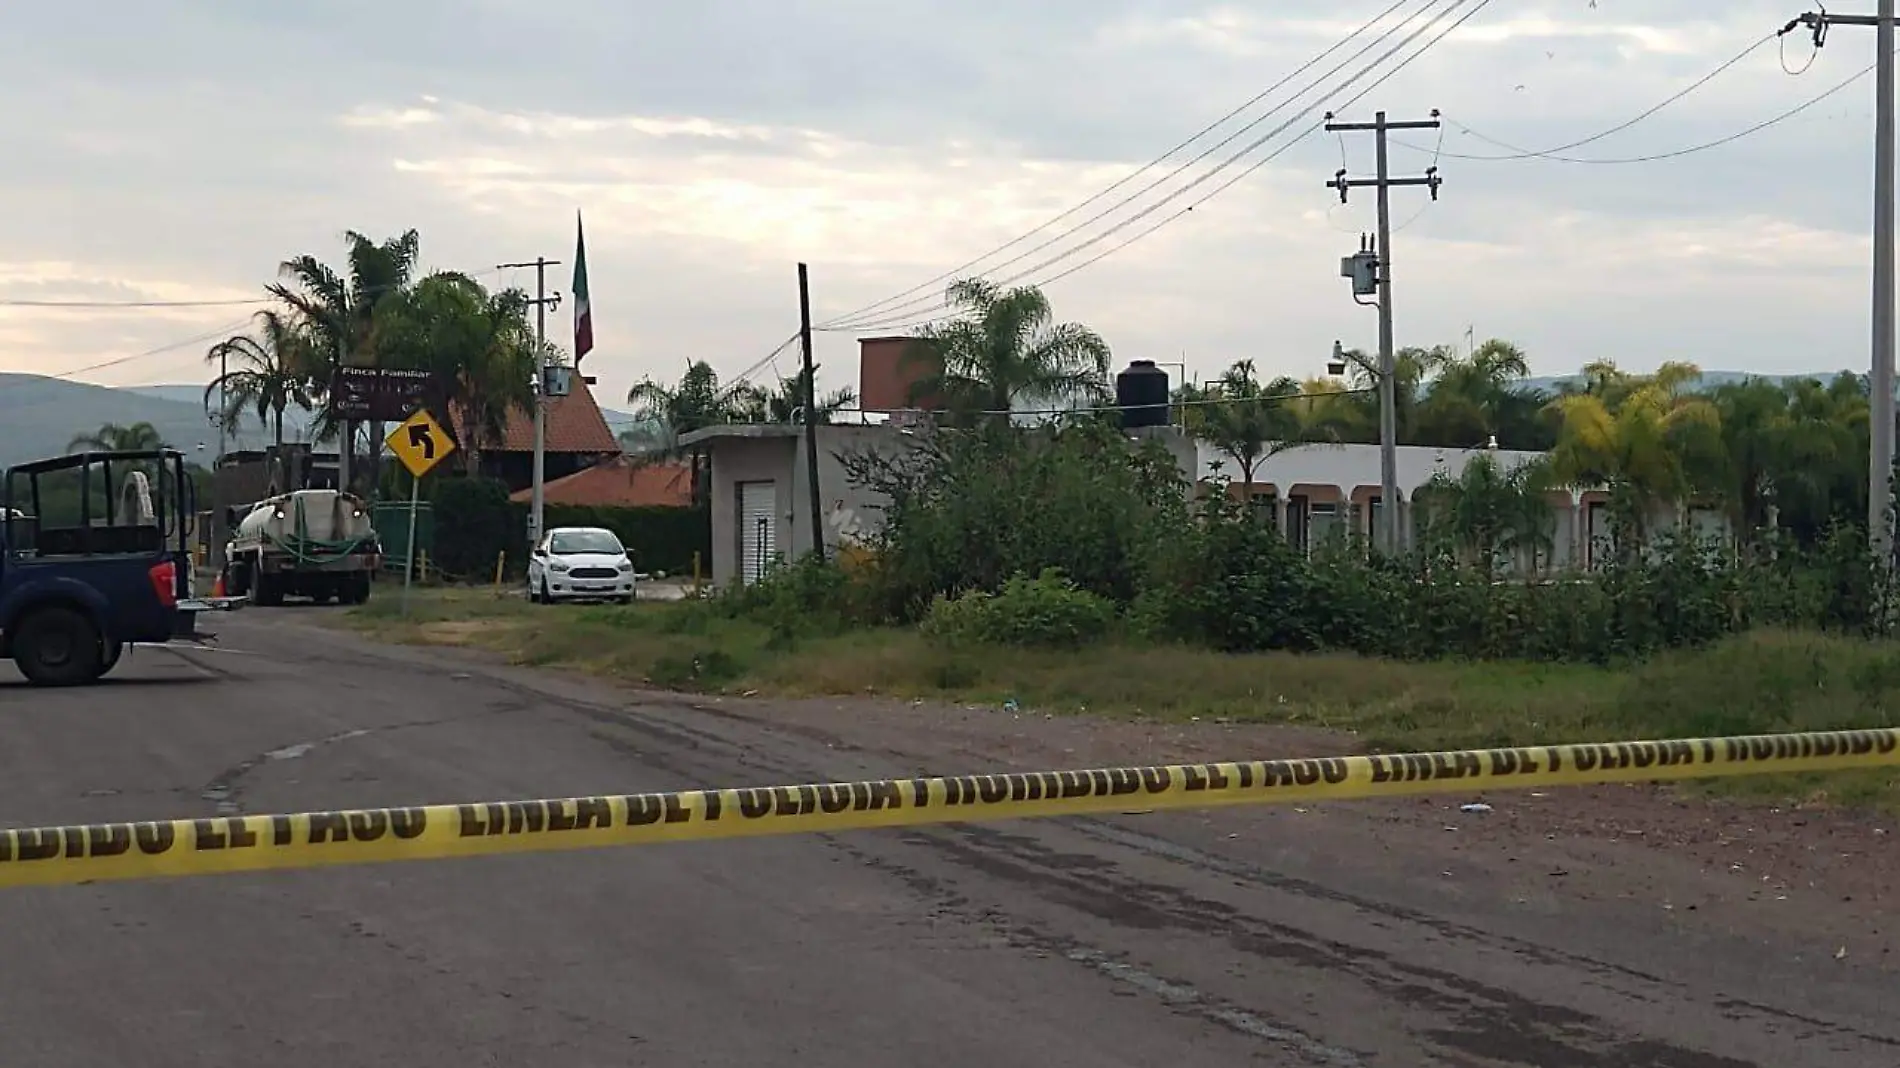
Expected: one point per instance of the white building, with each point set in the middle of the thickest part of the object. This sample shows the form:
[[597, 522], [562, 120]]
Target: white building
[[1318, 491]]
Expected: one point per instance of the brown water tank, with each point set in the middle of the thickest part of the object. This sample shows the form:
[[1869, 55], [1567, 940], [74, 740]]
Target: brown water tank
[[885, 375]]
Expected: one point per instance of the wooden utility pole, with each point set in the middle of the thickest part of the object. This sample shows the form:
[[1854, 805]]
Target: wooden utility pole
[[1388, 386], [810, 401]]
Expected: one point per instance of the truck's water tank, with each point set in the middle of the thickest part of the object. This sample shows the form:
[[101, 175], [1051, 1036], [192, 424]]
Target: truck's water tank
[[1141, 393]]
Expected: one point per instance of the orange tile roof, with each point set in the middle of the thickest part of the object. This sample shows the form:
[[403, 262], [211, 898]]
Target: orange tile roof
[[575, 425], [620, 483]]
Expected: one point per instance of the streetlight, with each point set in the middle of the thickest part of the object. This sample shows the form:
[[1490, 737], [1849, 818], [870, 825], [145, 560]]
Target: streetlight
[[1388, 445], [1337, 365]]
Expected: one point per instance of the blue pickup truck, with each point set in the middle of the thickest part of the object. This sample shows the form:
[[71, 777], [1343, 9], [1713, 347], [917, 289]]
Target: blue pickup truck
[[94, 557]]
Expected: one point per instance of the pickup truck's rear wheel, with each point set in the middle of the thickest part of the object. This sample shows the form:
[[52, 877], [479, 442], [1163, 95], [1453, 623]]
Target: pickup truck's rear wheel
[[57, 646], [109, 652]]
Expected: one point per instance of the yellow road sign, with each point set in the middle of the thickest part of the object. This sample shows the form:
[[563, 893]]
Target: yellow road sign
[[420, 443]]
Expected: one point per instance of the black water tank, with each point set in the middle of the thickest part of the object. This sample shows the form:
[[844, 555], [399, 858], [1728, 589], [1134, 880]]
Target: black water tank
[[1141, 392]]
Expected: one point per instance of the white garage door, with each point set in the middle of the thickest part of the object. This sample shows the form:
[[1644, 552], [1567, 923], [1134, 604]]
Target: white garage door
[[758, 529]]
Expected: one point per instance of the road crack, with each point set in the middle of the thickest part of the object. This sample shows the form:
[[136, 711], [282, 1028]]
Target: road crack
[[224, 788]]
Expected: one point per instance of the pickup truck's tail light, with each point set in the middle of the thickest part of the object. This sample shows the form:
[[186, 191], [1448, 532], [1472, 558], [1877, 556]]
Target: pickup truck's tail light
[[165, 583]]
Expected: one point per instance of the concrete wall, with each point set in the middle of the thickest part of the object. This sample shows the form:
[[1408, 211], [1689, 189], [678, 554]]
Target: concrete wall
[[1352, 466], [736, 460], [850, 512], [757, 454]]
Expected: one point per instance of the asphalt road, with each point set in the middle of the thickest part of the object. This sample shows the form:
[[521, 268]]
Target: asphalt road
[[1132, 941]]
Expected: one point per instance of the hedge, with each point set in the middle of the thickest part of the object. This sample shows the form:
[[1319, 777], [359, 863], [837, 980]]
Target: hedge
[[661, 537], [475, 522]]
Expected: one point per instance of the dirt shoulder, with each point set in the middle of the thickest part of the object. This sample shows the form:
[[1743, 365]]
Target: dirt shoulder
[[1814, 868], [1809, 871]]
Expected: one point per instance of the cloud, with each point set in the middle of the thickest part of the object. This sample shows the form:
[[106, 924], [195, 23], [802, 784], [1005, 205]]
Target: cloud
[[713, 145]]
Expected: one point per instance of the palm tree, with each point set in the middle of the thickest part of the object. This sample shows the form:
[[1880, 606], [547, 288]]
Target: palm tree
[[1354, 415], [478, 347], [1754, 414], [1331, 412], [1469, 400], [1488, 512], [1820, 456], [1005, 349], [340, 310], [270, 375], [1246, 420], [1641, 444], [113, 437], [787, 403], [695, 403]]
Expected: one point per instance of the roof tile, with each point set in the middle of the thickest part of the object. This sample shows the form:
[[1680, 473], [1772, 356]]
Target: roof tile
[[620, 483], [575, 425]]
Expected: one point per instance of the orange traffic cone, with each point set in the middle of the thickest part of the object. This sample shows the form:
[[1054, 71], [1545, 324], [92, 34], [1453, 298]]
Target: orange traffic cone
[[217, 588]]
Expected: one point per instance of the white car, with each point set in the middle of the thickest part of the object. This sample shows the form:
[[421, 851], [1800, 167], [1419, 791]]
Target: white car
[[579, 564]]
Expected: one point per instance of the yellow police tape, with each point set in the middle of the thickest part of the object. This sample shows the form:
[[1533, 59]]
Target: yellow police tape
[[81, 854]]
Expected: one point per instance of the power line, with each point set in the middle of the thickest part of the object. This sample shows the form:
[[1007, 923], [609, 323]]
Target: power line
[[134, 303], [1430, 168], [221, 332], [842, 320], [1244, 174], [929, 303], [233, 303], [900, 318], [743, 378], [218, 334], [1621, 126], [1658, 156]]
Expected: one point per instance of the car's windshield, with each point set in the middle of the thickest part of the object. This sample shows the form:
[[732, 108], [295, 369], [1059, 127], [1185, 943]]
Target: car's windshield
[[585, 541]]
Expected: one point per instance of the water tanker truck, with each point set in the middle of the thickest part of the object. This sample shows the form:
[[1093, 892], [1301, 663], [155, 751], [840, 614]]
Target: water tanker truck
[[315, 543]]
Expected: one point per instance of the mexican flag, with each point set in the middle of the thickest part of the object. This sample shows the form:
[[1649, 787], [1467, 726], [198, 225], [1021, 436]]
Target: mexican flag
[[583, 310]]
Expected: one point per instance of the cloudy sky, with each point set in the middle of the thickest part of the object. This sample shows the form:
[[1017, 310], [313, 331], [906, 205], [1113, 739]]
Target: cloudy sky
[[179, 149]]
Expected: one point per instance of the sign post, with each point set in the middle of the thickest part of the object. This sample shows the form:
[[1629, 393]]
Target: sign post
[[420, 443]]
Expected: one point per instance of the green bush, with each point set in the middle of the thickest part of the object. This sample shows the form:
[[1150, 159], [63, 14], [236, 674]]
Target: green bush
[[804, 597], [1047, 611], [971, 508], [1108, 527]]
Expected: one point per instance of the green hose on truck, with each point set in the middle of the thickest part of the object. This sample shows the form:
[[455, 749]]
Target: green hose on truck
[[314, 543]]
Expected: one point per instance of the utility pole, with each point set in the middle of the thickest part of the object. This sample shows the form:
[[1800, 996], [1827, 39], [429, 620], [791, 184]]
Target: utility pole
[[542, 301], [810, 401], [1880, 380], [1380, 264]]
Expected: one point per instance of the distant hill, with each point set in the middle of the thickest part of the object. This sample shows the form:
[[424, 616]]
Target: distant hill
[[1709, 379], [616, 421], [39, 416]]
